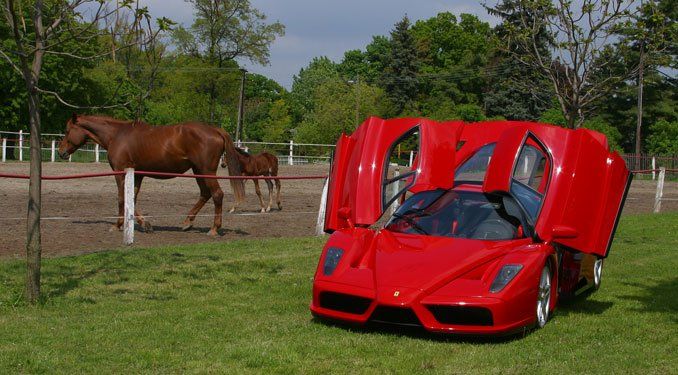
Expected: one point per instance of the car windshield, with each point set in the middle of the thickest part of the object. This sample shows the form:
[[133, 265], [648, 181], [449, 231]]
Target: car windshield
[[461, 214]]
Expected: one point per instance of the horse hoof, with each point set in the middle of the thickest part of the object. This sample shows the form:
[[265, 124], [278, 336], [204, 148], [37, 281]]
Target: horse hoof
[[279, 207], [268, 209], [187, 227], [232, 210], [212, 233], [263, 210]]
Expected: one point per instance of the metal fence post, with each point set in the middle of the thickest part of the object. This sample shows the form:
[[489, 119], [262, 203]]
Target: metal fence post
[[660, 191], [52, 156], [291, 157], [411, 158], [320, 223], [4, 150], [96, 152], [396, 203], [128, 226], [21, 145]]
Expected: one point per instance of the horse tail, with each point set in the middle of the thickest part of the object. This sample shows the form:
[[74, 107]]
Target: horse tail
[[231, 160]]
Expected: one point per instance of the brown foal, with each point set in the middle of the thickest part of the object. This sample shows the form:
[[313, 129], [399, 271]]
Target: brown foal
[[262, 164], [170, 149]]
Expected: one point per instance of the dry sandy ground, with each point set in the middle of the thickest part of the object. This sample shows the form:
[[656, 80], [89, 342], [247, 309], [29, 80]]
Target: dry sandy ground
[[85, 207]]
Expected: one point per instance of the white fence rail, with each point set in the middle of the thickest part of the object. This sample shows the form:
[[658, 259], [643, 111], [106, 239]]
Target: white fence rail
[[291, 153]]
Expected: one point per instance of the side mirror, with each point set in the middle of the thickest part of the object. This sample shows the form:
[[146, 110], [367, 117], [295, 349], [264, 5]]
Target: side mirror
[[563, 231], [344, 213]]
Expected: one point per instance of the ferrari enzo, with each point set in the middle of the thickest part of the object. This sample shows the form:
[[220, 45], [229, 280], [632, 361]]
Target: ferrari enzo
[[465, 228]]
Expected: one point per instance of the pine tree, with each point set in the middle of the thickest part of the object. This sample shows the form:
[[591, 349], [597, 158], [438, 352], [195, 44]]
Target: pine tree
[[400, 77]]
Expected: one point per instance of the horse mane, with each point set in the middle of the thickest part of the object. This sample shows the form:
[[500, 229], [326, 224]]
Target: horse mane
[[112, 120], [242, 152]]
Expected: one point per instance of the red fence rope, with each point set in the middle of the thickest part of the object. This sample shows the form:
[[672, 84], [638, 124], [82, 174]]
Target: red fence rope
[[182, 175], [163, 174]]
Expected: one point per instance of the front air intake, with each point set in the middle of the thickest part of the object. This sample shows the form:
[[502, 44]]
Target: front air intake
[[462, 315], [344, 302], [395, 315]]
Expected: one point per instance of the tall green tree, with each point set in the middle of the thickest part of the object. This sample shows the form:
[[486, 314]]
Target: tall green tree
[[222, 31], [400, 76], [38, 29]]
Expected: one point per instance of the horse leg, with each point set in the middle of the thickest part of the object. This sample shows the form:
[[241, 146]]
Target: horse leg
[[277, 186], [143, 223], [258, 190], [218, 198], [204, 197], [120, 181], [269, 183]]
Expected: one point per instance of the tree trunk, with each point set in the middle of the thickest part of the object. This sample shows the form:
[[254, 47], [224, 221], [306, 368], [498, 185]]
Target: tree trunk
[[33, 241]]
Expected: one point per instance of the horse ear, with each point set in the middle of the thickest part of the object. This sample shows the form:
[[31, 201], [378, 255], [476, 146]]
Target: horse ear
[[74, 118]]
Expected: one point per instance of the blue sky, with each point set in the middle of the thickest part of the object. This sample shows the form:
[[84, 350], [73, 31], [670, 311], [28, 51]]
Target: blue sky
[[325, 28]]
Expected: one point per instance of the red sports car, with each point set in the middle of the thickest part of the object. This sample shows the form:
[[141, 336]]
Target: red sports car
[[465, 228]]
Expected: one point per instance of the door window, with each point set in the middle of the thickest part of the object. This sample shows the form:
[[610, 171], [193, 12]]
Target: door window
[[401, 170], [530, 176]]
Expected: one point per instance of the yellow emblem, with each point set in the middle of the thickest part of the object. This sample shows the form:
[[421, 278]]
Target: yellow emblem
[[396, 294]]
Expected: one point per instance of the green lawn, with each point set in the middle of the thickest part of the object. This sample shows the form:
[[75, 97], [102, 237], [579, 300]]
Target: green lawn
[[243, 306]]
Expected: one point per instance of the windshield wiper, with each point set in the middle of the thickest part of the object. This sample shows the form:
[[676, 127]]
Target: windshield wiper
[[412, 223]]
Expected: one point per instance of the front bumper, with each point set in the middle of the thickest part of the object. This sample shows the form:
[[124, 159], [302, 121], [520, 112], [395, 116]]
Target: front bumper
[[473, 315]]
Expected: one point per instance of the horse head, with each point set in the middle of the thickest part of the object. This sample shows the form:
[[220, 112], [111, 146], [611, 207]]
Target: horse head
[[73, 139]]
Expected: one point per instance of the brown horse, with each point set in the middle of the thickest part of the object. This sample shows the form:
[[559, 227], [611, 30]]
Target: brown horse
[[172, 149], [262, 164]]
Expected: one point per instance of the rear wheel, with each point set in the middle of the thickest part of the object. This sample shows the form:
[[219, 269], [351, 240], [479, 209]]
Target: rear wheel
[[597, 273], [544, 297]]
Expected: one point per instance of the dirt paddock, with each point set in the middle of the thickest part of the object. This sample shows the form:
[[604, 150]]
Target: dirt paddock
[[83, 209]]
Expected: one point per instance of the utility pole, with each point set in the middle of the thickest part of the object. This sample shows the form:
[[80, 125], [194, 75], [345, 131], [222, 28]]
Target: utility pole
[[241, 103], [639, 123]]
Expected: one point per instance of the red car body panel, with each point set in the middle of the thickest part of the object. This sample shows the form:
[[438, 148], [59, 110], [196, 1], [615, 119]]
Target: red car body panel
[[443, 283]]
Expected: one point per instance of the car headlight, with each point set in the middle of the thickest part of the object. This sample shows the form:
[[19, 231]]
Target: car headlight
[[332, 258], [505, 275]]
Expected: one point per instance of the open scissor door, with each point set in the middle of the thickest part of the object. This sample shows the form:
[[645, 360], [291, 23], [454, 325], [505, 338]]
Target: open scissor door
[[382, 160], [570, 185]]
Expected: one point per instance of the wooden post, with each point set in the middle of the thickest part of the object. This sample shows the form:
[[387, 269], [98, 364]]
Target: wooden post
[[396, 203], [96, 152], [660, 190], [4, 150], [128, 226], [320, 224], [654, 166], [52, 155], [291, 157], [21, 145]]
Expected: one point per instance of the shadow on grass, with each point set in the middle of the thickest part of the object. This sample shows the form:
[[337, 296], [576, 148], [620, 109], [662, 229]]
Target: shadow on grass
[[582, 304], [655, 297], [421, 333]]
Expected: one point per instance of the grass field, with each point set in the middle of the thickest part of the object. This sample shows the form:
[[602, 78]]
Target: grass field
[[243, 306]]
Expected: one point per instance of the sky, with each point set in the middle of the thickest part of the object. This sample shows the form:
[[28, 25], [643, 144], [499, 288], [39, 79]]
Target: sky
[[324, 27]]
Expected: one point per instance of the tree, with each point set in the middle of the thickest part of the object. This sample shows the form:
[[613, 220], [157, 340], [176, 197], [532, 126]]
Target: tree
[[400, 76], [224, 30], [649, 40], [334, 110], [580, 37], [41, 28], [304, 85], [663, 138]]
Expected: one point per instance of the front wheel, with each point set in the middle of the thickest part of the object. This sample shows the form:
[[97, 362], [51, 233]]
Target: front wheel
[[544, 297], [597, 273]]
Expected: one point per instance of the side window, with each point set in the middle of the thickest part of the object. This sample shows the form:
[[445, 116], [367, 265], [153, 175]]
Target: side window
[[474, 169], [402, 165], [530, 176]]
